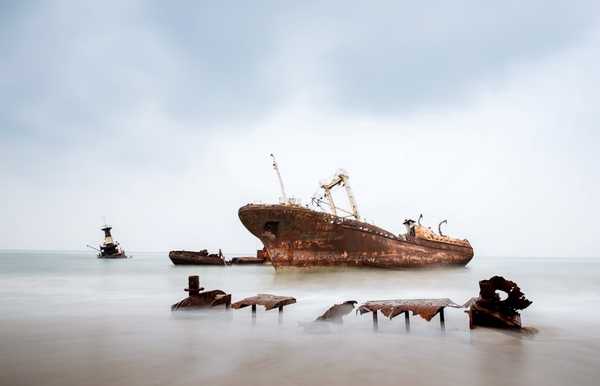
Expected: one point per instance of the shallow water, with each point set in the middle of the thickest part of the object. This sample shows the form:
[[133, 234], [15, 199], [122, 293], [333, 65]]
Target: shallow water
[[71, 319]]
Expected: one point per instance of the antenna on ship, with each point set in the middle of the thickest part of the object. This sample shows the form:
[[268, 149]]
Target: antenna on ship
[[284, 197]]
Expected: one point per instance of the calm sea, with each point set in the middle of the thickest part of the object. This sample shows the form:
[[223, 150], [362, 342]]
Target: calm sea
[[68, 318]]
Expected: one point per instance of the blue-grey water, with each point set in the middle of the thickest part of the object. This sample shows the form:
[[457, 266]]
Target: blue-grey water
[[67, 318]]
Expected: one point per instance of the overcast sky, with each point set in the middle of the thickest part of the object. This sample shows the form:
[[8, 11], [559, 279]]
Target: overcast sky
[[161, 116]]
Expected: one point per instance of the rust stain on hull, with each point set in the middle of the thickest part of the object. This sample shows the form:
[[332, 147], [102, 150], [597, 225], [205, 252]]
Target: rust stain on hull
[[295, 236]]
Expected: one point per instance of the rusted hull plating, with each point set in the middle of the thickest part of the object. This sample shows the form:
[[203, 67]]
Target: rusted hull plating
[[299, 237]]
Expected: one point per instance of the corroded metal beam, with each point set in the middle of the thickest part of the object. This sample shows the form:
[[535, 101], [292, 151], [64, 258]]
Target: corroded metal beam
[[425, 308], [267, 300]]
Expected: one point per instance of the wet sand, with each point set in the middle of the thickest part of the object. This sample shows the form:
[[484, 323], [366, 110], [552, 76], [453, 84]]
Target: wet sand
[[71, 319]]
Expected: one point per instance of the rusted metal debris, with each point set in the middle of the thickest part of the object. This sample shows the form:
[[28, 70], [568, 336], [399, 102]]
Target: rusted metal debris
[[425, 308], [198, 299], [336, 312], [262, 257], [491, 311], [196, 258], [267, 300]]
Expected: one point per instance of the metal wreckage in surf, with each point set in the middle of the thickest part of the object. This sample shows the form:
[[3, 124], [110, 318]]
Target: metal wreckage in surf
[[109, 248], [300, 236]]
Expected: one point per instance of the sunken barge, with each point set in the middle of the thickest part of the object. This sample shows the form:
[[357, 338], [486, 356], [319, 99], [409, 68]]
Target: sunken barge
[[298, 236], [196, 258]]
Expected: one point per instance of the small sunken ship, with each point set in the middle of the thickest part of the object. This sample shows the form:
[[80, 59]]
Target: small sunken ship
[[298, 236], [110, 249], [202, 257]]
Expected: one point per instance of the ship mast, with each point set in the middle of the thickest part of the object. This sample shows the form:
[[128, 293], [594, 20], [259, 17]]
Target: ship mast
[[340, 178], [284, 197]]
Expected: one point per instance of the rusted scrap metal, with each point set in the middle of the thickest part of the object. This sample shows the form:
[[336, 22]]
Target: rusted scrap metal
[[199, 299], [262, 257], [336, 312], [491, 311], [196, 258], [425, 308], [267, 300]]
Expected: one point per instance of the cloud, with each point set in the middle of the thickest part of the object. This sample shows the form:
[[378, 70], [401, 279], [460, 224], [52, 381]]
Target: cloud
[[161, 118], [416, 56]]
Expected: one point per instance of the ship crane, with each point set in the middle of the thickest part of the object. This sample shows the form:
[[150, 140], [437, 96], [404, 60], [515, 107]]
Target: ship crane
[[340, 178], [284, 198]]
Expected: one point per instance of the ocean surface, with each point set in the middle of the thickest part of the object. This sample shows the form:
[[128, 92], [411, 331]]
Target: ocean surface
[[68, 318]]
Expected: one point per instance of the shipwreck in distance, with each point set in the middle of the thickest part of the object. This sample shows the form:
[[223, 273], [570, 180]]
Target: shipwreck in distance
[[299, 236], [109, 248]]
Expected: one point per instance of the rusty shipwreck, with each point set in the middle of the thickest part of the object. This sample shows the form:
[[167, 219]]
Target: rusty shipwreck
[[299, 236], [109, 249]]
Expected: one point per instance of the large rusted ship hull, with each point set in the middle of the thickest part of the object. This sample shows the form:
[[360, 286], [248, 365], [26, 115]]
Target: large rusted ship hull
[[299, 237]]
